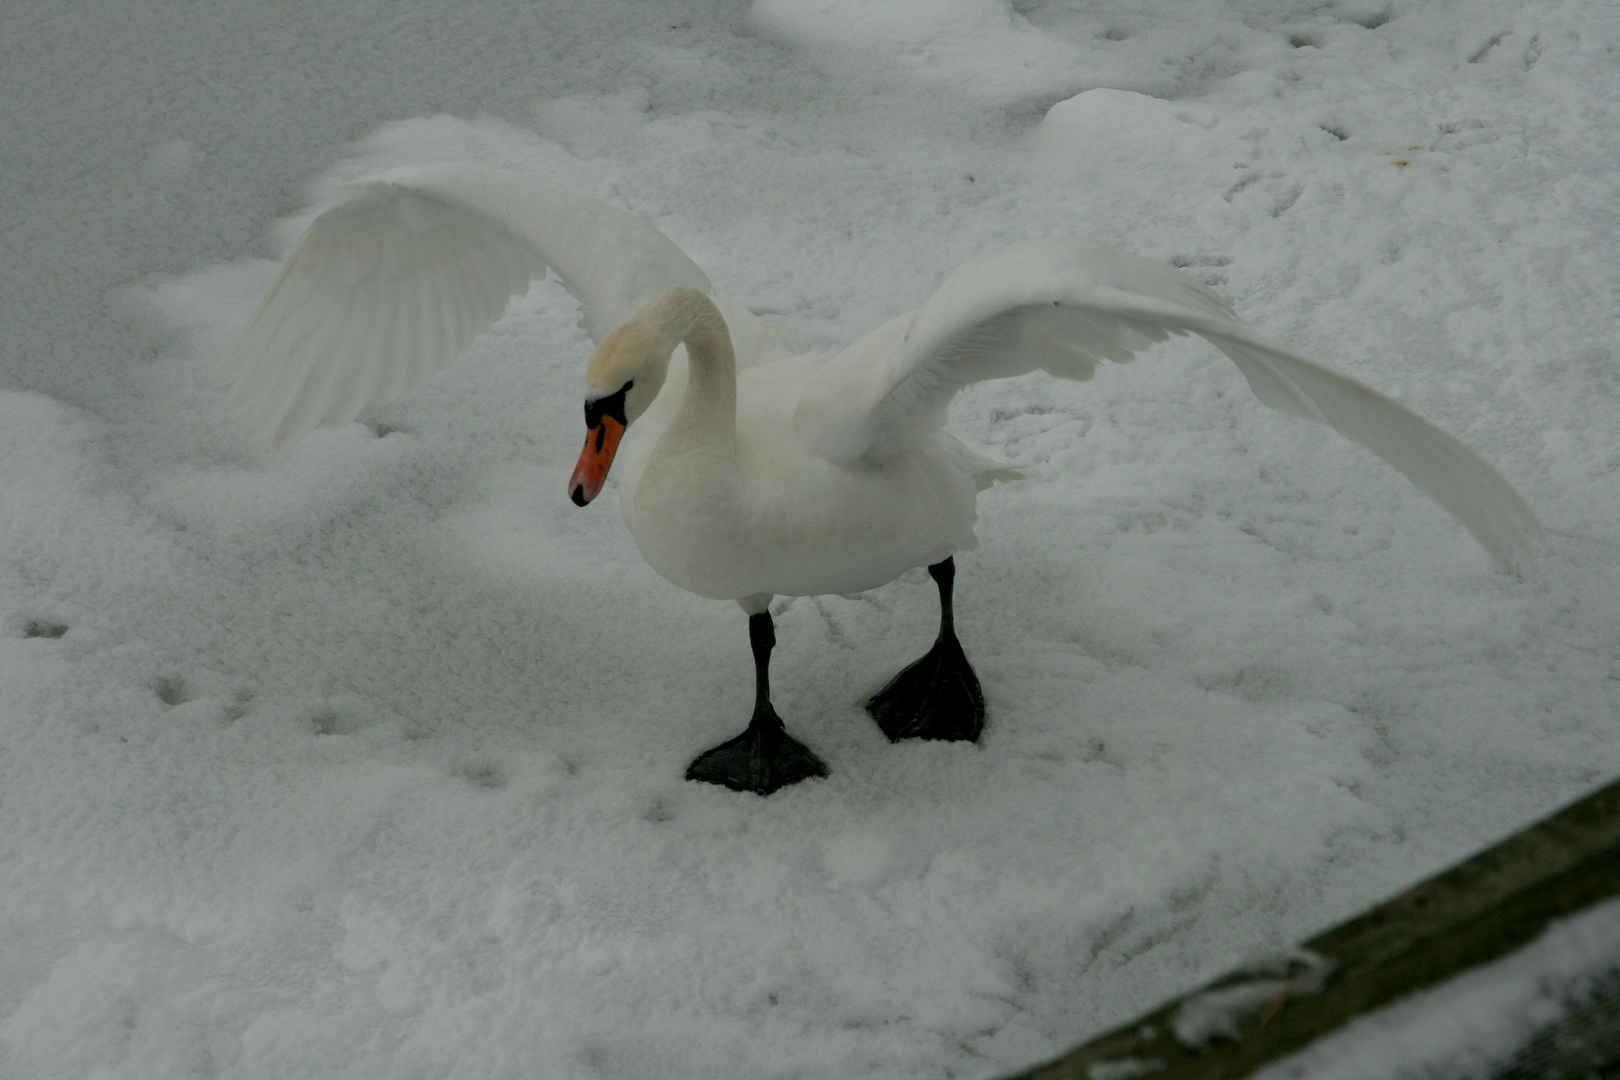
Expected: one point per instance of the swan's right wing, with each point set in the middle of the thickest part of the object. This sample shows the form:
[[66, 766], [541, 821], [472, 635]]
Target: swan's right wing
[[1451, 474], [1063, 305], [408, 267]]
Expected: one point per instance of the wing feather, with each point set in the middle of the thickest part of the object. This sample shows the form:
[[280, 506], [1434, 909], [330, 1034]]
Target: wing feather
[[340, 388], [400, 275], [1060, 305], [1442, 468]]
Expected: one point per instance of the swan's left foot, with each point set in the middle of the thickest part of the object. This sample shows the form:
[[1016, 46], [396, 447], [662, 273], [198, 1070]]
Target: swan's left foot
[[938, 697], [764, 757], [761, 759]]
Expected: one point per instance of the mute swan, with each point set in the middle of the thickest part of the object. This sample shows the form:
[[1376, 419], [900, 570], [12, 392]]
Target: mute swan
[[746, 468]]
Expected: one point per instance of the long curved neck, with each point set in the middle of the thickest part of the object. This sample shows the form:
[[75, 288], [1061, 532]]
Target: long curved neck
[[688, 317]]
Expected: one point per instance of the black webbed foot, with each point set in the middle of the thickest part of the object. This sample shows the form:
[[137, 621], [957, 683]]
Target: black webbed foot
[[938, 697], [761, 759], [764, 757]]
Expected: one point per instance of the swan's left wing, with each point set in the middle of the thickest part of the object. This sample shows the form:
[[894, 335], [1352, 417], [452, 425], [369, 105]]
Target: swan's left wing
[[1061, 305], [399, 276]]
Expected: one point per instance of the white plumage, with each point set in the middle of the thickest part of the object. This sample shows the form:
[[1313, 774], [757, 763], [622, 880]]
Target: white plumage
[[843, 476]]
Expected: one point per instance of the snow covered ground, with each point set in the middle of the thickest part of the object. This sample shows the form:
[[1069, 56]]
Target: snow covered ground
[[363, 759]]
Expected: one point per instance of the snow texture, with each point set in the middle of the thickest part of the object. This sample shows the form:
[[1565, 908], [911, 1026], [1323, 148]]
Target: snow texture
[[363, 758]]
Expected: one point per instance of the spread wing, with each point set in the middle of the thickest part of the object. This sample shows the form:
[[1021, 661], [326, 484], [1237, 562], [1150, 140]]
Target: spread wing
[[1062, 305], [397, 278]]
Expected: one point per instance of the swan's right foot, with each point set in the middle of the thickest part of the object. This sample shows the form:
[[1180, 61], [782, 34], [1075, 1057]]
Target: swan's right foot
[[765, 757], [761, 759]]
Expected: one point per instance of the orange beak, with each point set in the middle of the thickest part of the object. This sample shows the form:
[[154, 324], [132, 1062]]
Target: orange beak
[[601, 443]]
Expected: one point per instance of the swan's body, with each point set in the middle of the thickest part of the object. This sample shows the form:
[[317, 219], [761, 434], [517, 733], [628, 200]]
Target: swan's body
[[729, 519], [747, 468]]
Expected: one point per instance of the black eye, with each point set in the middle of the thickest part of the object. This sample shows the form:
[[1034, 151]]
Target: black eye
[[612, 405]]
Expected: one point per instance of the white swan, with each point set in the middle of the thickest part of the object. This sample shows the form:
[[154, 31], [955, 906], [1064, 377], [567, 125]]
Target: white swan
[[746, 468]]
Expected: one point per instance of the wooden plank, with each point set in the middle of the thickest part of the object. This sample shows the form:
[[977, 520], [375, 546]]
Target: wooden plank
[[1475, 912]]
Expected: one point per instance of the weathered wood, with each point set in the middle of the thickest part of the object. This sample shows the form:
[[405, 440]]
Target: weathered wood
[[1472, 913]]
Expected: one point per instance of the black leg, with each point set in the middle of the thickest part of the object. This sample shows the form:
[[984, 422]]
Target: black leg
[[938, 697], [764, 757]]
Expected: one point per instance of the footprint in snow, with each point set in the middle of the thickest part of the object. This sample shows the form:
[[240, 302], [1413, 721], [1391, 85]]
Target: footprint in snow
[[170, 689], [482, 775]]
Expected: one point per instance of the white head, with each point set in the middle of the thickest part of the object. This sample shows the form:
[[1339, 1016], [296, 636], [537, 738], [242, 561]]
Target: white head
[[622, 378]]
